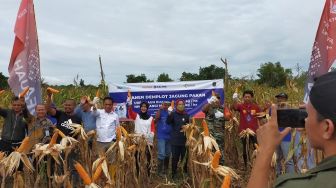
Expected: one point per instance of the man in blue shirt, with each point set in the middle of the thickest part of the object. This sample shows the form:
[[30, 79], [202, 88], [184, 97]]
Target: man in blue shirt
[[283, 148], [163, 138], [84, 111]]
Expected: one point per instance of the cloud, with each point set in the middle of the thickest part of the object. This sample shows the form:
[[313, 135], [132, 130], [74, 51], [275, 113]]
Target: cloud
[[153, 37]]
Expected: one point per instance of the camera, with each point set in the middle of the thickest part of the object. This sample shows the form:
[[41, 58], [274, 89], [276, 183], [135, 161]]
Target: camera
[[294, 118]]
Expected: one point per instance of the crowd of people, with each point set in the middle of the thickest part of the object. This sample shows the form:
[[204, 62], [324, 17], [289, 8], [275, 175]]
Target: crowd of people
[[167, 124]]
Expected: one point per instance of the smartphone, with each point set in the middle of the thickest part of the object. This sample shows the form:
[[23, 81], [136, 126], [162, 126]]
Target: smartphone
[[294, 118]]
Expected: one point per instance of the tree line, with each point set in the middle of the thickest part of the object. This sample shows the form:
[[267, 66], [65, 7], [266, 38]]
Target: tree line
[[270, 74]]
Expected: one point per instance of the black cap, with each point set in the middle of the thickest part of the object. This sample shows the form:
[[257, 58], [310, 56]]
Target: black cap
[[281, 95], [322, 95]]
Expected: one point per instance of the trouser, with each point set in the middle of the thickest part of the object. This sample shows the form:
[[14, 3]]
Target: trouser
[[300, 163], [164, 151], [164, 148], [253, 140], [217, 130], [7, 146], [177, 153], [102, 147], [282, 153]]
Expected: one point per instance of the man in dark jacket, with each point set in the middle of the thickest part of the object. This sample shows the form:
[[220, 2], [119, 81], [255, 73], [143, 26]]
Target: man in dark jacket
[[15, 127], [177, 120]]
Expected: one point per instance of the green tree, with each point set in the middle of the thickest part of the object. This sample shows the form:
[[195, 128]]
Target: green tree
[[163, 77], [131, 78], [211, 72], [3, 81], [205, 73], [302, 78], [273, 74], [186, 76]]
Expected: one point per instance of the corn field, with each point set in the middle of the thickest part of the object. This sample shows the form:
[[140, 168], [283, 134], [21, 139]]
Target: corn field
[[74, 162]]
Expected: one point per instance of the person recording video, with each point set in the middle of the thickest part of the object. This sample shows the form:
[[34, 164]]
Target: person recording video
[[320, 126]]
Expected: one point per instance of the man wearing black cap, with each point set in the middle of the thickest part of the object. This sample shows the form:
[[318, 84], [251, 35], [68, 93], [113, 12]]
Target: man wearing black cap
[[283, 148], [320, 126]]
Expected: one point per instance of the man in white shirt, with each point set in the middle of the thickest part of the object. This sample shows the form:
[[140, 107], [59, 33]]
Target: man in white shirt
[[106, 123]]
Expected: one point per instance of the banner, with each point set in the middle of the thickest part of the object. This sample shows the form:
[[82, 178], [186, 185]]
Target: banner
[[324, 49], [194, 93], [24, 65]]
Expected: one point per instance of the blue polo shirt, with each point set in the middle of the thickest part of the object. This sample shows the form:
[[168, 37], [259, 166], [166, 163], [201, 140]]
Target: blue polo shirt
[[88, 119]]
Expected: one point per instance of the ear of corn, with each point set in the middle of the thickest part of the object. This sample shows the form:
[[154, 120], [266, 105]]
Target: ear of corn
[[98, 93], [52, 90], [172, 104], [129, 95], [215, 159], [193, 120], [118, 133], [53, 138], [113, 170], [227, 113], [24, 92], [83, 174], [205, 128], [2, 91], [98, 172], [125, 133], [226, 182], [131, 147], [60, 133], [24, 145], [213, 93]]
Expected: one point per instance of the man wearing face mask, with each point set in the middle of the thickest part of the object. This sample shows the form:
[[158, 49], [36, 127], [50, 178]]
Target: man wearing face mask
[[15, 127], [214, 115]]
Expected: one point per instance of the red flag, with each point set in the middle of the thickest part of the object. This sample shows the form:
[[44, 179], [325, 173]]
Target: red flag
[[24, 64], [324, 48]]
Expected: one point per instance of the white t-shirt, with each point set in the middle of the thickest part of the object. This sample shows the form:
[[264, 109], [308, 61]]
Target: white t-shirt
[[144, 127], [106, 124]]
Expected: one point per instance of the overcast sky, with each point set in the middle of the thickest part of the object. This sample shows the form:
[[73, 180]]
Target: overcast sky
[[156, 36]]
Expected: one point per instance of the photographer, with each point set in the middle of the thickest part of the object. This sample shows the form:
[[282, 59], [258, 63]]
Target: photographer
[[321, 133]]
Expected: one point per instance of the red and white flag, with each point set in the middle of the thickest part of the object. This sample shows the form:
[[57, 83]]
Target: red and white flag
[[324, 48], [24, 65]]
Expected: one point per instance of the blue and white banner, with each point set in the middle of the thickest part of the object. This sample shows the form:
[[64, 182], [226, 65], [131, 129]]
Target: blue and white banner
[[194, 93]]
